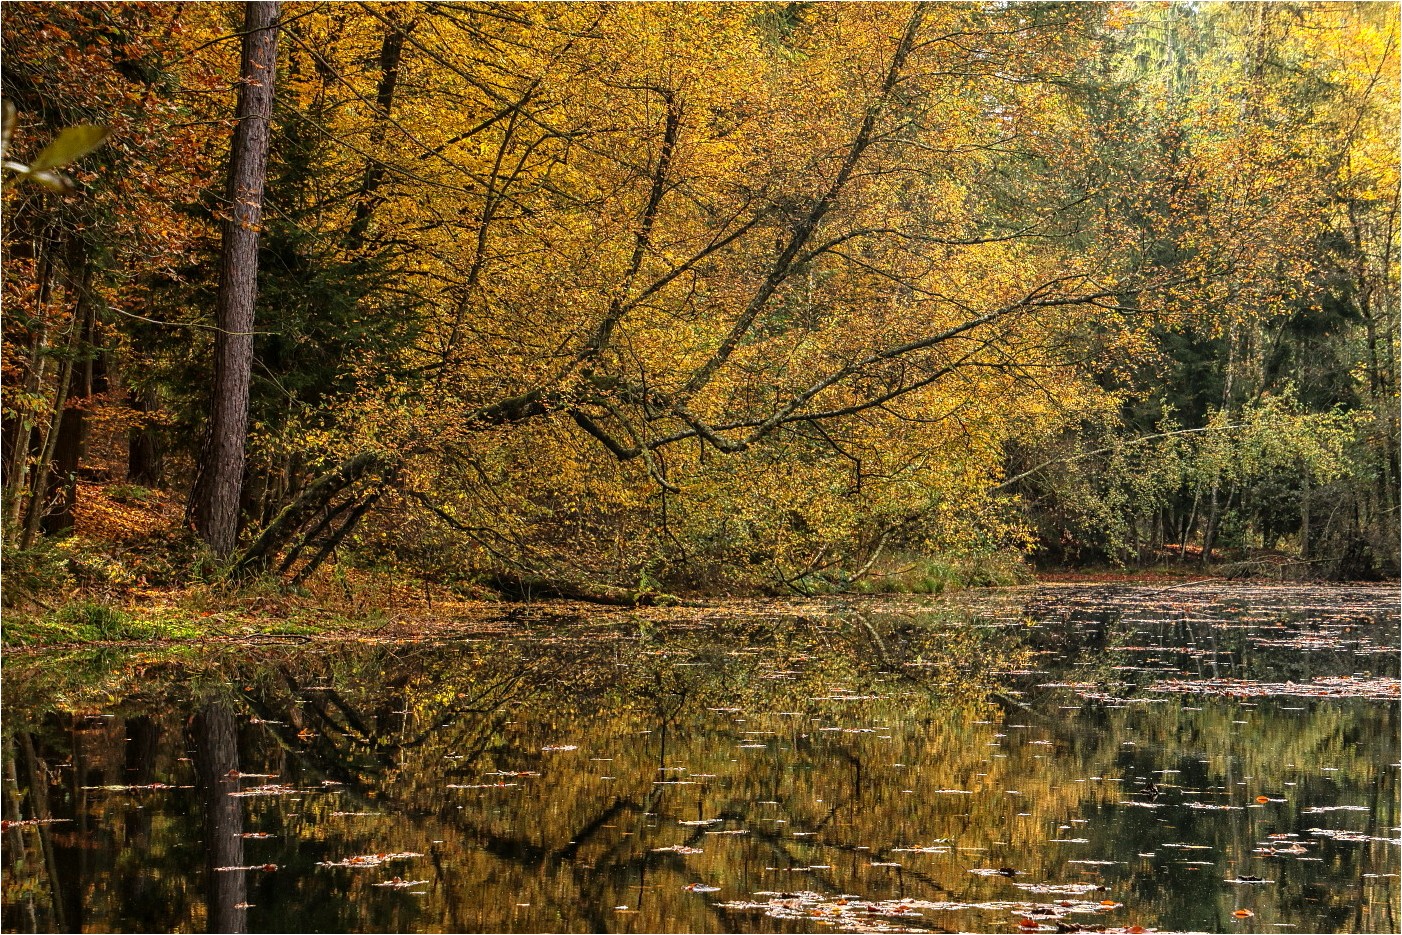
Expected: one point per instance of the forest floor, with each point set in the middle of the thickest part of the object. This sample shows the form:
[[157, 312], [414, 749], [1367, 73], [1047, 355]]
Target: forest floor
[[106, 584]]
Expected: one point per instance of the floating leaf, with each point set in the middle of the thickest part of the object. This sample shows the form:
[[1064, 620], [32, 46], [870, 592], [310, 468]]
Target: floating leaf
[[368, 860]]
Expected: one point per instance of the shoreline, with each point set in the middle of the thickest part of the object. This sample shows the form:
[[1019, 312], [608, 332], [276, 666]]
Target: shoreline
[[174, 618]]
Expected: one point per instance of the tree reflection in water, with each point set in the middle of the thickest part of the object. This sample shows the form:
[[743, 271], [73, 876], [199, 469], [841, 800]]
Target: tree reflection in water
[[217, 768], [552, 777]]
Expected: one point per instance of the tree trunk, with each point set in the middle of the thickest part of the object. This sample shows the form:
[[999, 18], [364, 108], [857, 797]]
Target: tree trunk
[[23, 441], [214, 502], [89, 377], [530, 587], [43, 468], [1209, 533], [1306, 552], [145, 457], [391, 52], [316, 497]]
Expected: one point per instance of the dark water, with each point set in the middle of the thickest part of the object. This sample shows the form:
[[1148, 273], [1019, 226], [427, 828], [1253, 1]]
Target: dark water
[[1120, 755]]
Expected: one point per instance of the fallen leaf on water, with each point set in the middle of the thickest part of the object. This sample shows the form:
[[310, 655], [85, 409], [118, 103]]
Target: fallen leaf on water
[[1060, 889], [1341, 835], [271, 789], [368, 860], [148, 787], [30, 822], [397, 883], [677, 849]]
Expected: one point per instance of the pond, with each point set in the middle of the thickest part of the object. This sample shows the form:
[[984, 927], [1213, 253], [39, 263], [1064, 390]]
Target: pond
[[1195, 758]]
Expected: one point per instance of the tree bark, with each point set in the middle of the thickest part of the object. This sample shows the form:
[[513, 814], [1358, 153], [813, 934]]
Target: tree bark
[[88, 378], [214, 502], [43, 469], [391, 53], [145, 453], [23, 442]]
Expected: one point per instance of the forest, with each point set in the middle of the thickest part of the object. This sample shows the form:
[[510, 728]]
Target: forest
[[623, 300]]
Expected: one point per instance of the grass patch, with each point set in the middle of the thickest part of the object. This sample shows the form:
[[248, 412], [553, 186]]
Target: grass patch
[[81, 621], [34, 572], [926, 574]]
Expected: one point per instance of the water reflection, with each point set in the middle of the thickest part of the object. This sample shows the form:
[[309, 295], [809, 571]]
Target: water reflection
[[605, 776]]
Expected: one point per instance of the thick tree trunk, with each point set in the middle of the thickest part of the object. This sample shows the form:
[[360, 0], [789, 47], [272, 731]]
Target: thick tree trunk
[[214, 502]]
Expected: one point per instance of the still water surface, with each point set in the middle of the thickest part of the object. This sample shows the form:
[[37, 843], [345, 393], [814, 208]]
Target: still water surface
[[1060, 759]]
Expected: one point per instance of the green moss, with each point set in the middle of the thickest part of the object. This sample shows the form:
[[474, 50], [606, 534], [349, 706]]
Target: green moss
[[129, 493]]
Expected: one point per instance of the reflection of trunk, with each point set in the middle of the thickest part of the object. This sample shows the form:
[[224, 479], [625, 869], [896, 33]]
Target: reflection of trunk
[[216, 756], [14, 838], [142, 736], [141, 747], [39, 808]]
